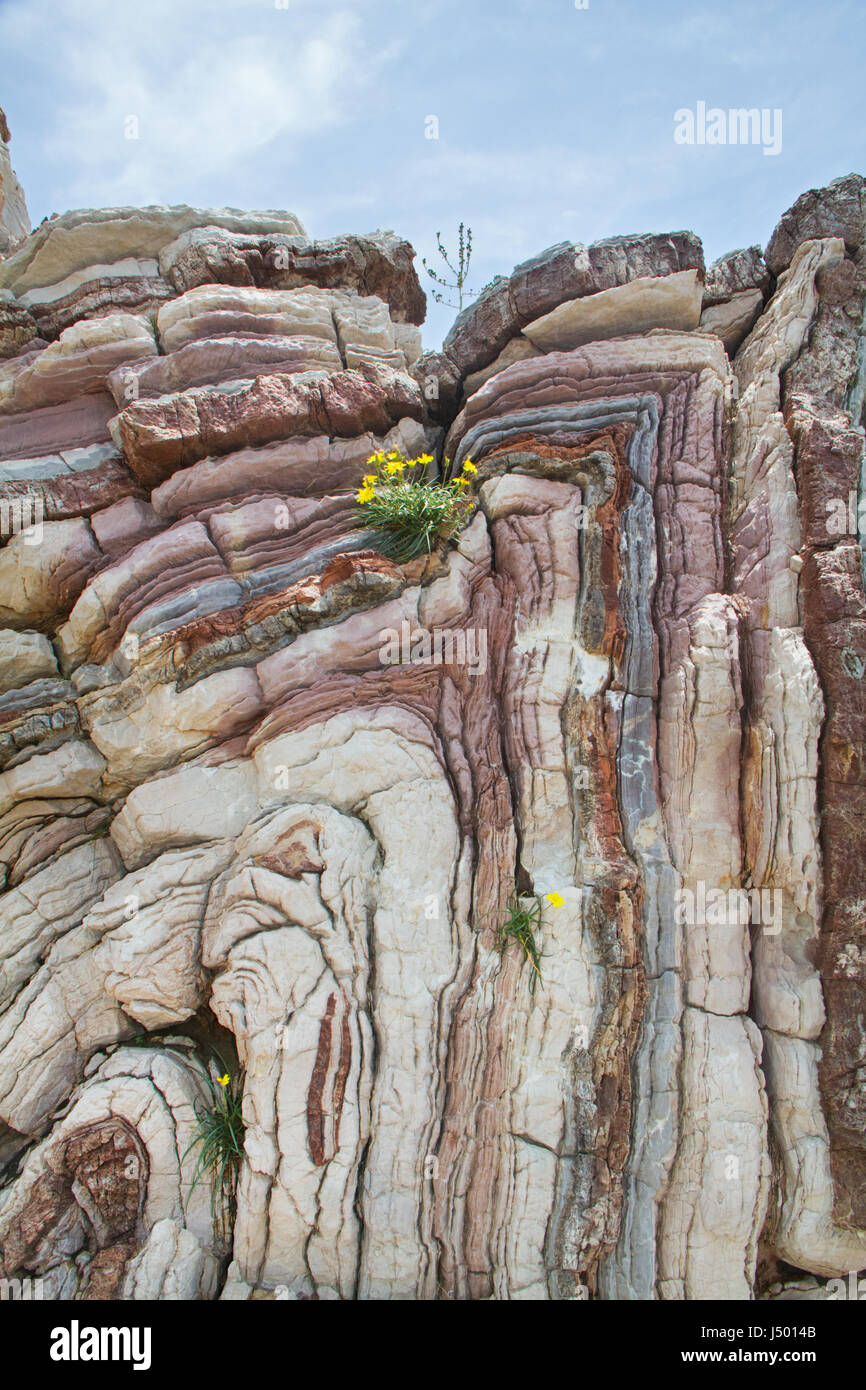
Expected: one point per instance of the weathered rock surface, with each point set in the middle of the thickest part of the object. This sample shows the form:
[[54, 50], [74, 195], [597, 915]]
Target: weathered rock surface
[[839, 210], [264, 793], [65, 245], [732, 319], [171, 432], [17, 327], [379, 265], [14, 218], [76, 365], [735, 273], [563, 273], [643, 304]]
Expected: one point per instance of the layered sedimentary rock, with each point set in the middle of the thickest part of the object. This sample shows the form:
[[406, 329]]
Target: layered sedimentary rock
[[265, 793]]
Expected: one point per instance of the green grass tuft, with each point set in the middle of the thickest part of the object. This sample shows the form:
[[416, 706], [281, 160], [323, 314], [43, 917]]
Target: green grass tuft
[[521, 925], [219, 1136]]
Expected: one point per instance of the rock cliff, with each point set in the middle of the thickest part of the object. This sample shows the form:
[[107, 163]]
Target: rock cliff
[[230, 827]]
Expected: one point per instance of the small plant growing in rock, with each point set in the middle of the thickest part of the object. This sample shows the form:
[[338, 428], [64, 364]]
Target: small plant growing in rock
[[219, 1136], [409, 513], [460, 271], [522, 924]]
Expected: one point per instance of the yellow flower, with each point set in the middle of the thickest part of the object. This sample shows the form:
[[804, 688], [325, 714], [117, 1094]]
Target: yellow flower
[[366, 494], [370, 480], [462, 482], [376, 458], [425, 458], [555, 899], [223, 1080], [395, 467], [469, 467]]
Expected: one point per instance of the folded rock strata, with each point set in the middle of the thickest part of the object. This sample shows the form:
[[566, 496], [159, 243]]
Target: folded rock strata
[[234, 822]]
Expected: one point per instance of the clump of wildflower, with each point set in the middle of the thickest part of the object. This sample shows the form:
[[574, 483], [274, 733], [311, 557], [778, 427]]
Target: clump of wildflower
[[219, 1137], [522, 924], [411, 514]]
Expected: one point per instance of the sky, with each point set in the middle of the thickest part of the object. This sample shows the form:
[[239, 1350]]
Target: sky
[[531, 121]]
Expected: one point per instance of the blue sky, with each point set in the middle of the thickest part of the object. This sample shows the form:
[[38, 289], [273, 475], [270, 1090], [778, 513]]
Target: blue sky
[[554, 123]]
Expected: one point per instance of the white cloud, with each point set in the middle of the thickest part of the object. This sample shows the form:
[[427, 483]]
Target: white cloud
[[211, 85]]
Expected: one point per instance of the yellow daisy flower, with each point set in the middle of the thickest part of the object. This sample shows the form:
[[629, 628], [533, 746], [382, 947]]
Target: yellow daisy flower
[[395, 467], [370, 480], [469, 467], [555, 899], [366, 494], [223, 1080]]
